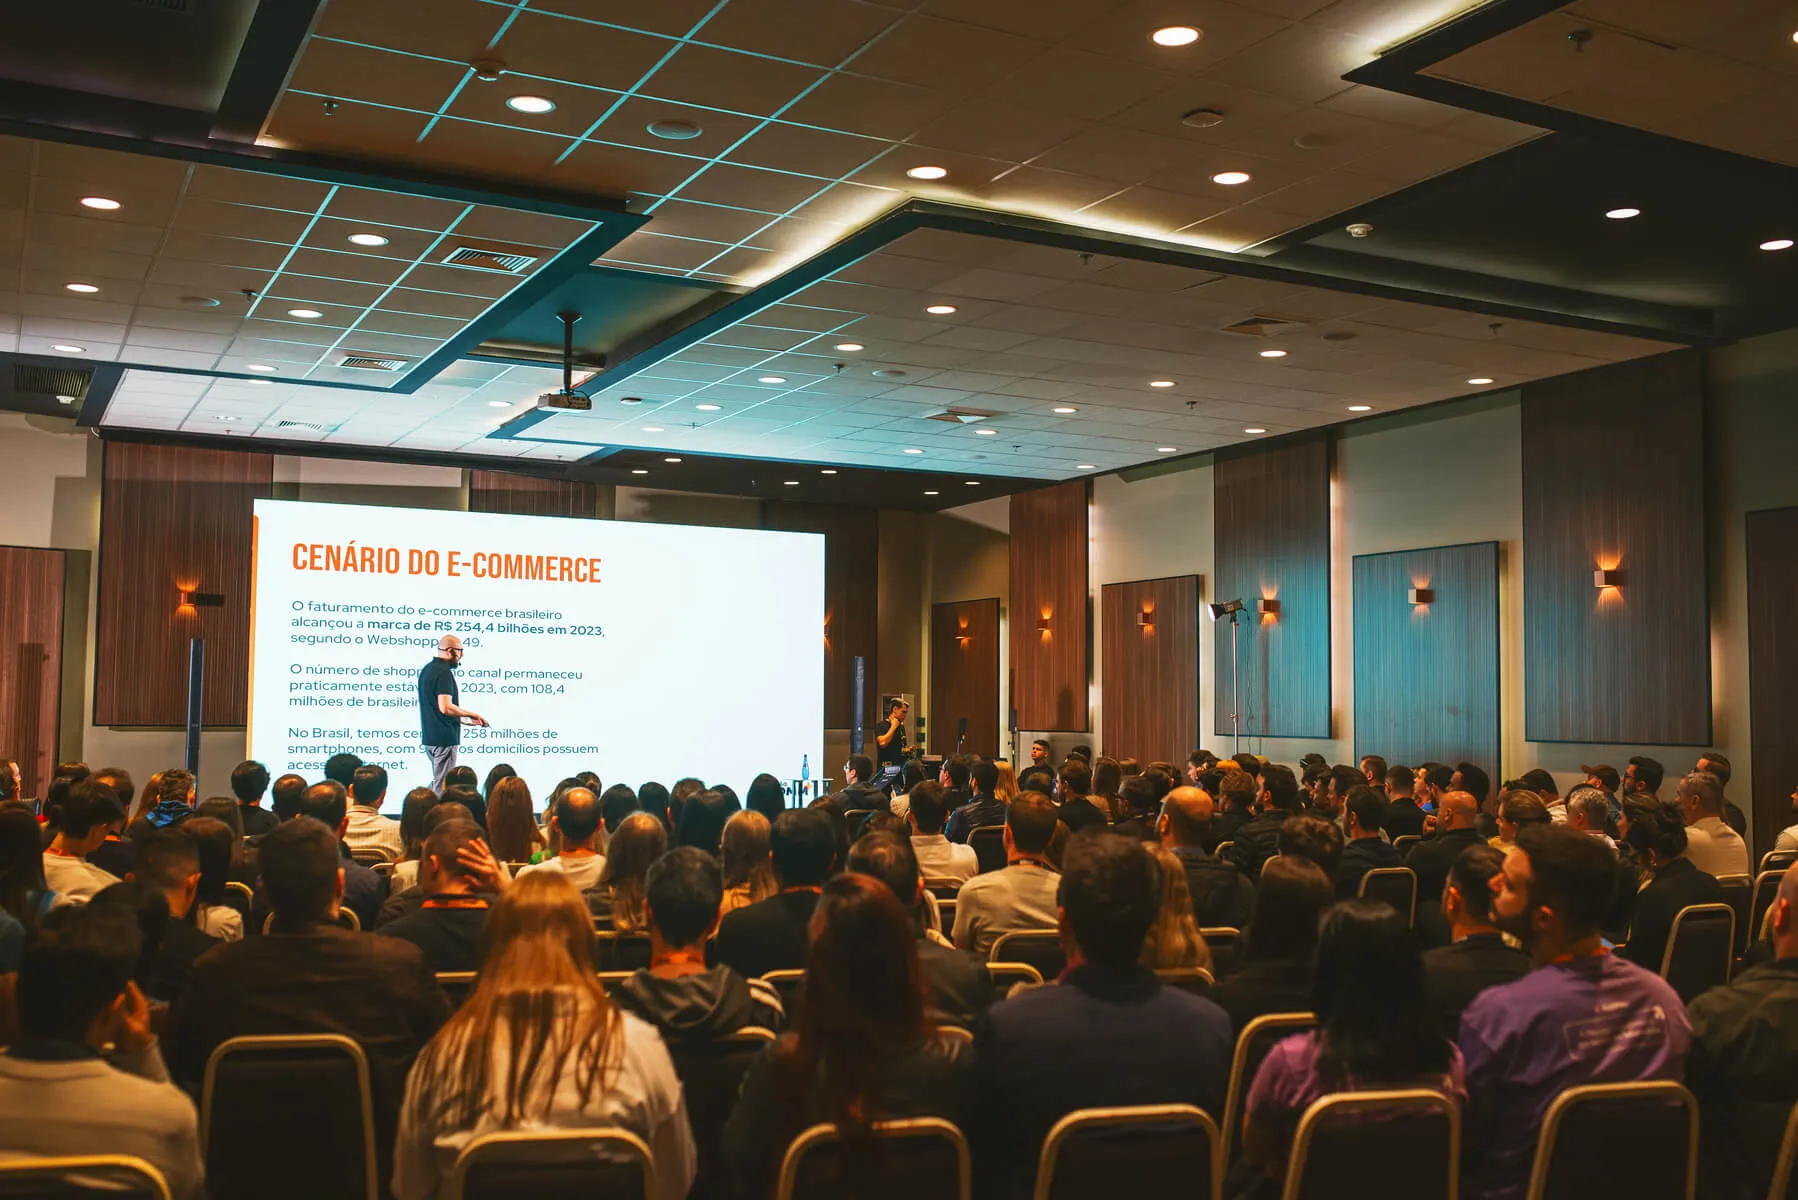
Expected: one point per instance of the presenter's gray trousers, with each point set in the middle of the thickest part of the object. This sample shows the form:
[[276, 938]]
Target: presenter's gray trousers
[[443, 760]]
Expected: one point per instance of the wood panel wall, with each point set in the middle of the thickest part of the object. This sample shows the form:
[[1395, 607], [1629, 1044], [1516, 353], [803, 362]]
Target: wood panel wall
[[1613, 477], [173, 517], [1149, 677], [1426, 675], [1772, 535], [1050, 667], [31, 610], [1272, 538], [964, 676], [530, 495], [851, 598]]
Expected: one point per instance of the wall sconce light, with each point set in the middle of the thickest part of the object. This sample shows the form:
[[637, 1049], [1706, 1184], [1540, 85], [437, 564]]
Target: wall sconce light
[[1602, 578], [962, 640], [192, 599], [1421, 595], [1042, 623], [1146, 619], [1267, 606]]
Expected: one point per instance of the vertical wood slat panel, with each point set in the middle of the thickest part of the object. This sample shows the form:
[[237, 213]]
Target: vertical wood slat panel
[[1272, 540], [1050, 668], [1627, 665], [530, 495], [171, 517], [964, 675], [31, 607], [851, 598], [1772, 536], [1149, 681], [1426, 676]]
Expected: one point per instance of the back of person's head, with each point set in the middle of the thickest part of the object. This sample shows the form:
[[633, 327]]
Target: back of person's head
[[1237, 788], [341, 769], [166, 859], [511, 819], [1704, 790], [683, 892], [1313, 838], [985, 774], [9, 784], [1572, 875], [1137, 795], [863, 766], [1107, 775], [496, 773], [300, 865], [462, 776], [930, 806], [1292, 894], [653, 798], [1343, 778], [889, 858], [325, 802], [766, 796], [176, 786], [1649, 771], [119, 780], [1540, 782], [1474, 781], [640, 840], [1653, 825], [1440, 777], [702, 819], [1368, 808], [1076, 777], [249, 780], [1369, 993], [1715, 764], [369, 784], [618, 802], [678, 795], [216, 846], [911, 774], [745, 847], [79, 961], [149, 907], [442, 846], [1037, 779], [1189, 812], [1522, 807], [1031, 818], [21, 861], [1110, 893], [1400, 780], [577, 816], [1161, 781], [413, 810], [445, 810], [957, 768], [587, 779], [88, 806], [1471, 875], [1374, 765], [804, 845], [1281, 788], [224, 809], [468, 798], [284, 796], [1588, 803]]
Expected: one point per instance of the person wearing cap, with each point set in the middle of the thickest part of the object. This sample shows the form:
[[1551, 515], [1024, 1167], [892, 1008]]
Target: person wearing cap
[[1604, 778]]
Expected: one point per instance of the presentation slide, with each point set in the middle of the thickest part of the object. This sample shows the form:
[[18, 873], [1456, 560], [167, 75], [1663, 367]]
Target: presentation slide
[[637, 651]]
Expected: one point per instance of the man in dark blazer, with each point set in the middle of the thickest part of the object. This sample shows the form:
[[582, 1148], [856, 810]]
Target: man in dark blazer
[[1457, 814], [771, 934]]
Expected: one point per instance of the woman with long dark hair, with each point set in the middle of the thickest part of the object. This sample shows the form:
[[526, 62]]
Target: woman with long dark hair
[[537, 1045], [418, 804], [512, 823], [865, 1050], [216, 844], [24, 897], [1272, 968]]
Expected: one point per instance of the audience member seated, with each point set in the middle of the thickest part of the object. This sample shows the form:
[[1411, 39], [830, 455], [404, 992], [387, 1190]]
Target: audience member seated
[[771, 934], [703, 817], [1364, 815], [363, 889], [618, 896], [1272, 971], [512, 832], [1110, 1034], [538, 1046], [938, 857], [1173, 942], [1656, 831], [858, 791], [1073, 808], [1108, 776], [86, 1075], [986, 808], [448, 923], [1581, 1016], [1021, 895], [284, 797], [677, 992], [911, 774], [1218, 892], [169, 861], [1588, 813], [24, 897], [413, 810], [765, 796], [864, 1050], [574, 824], [399, 903], [81, 824], [1316, 838], [115, 855], [311, 975], [249, 783], [957, 988], [1373, 1033], [1237, 800], [1518, 809], [1259, 839], [174, 802], [368, 830], [220, 848], [1457, 820], [1403, 816], [746, 863], [1711, 844], [1477, 956], [654, 798]]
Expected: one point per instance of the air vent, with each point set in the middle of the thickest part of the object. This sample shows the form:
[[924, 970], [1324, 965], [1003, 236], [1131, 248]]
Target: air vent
[[364, 362], [1260, 326], [312, 425], [961, 416], [488, 260], [181, 7], [50, 381]]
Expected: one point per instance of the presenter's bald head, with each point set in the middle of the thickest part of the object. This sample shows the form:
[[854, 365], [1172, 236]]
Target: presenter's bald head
[[449, 646]]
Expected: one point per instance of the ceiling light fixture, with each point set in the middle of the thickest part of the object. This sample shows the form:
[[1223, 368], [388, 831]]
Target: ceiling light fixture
[[1231, 178], [499, 404], [971, 482], [367, 239], [789, 483], [772, 379], [849, 347], [305, 314], [86, 289], [224, 417], [933, 493], [260, 382], [1161, 383], [1085, 467], [100, 203], [987, 432], [1254, 429], [65, 399], [912, 450], [1166, 450], [535, 105], [65, 348], [828, 471], [639, 470], [1175, 35], [1479, 381], [708, 407], [674, 131], [652, 429], [1065, 409], [671, 460], [1777, 244], [261, 368], [928, 172], [1360, 408], [1273, 354], [940, 310], [1623, 214]]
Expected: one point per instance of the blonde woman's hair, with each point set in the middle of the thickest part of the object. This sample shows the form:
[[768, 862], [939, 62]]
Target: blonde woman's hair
[[639, 840], [1173, 939], [746, 857], [1007, 787]]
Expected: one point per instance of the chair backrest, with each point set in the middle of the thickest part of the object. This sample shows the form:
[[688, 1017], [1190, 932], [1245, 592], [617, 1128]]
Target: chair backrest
[[1041, 948], [561, 1164], [945, 915], [1007, 975], [942, 888], [256, 1084], [1618, 1139], [1404, 841], [955, 1033], [1222, 850], [82, 1177], [1396, 886], [1782, 1166], [711, 1074], [857, 821], [1700, 949], [346, 917], [1415, 1136], [1252, 1045], [384, 870], [238, 896], [989, 846], [1151, 1150], [620, 951], [456, 985], [1766, 891], [1196, 980], [368, 856], [1222, 939], [1738, 893], [791, 986], [920, 1156], [1778, 860]]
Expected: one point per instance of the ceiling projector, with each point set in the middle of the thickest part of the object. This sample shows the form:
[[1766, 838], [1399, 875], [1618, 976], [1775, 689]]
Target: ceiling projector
[[565, 399]]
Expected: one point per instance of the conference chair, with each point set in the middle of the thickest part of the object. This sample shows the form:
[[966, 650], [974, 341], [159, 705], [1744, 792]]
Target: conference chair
[[1766, 891], [82, 1177], [1007, 975], [610, 980], [254, 1086], [1041, 948], [858, 822], [1146, 1150], [989, 846], [1396, 886], [791, 986], [955, 1033], [1257, 1038], [346, 917], [562, 1164], [1222, 851], [1222, 939], [613, 951], [1414, 1135], [942, 888], [1778, 860], [1196, 980], [1618, 1139], [1738, 893], [944, 911], [1782, 1166], [919, 1156], [711, 1073], [369, 856], [1700, 949], [1404, 842], [456, 985]]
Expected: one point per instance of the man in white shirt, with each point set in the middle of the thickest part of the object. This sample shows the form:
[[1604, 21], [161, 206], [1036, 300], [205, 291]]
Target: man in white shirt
[[1713, 846], [938, 857], [90, 809], [578, 819], [59, 1093], [1023, 894], [367, 828]]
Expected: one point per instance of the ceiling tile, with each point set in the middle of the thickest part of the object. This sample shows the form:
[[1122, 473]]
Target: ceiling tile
[[947, 56], [552, 47], [492, 149], [997, 130], [751, 187], [1301, 62], [453, 29], [350, 72], [1073, 83], [875, 107], [672, 17], [578, 109], [628, 125], [740, 83], [615, 170], [824, 32], [653, 249], [804, 150], [362, 129]]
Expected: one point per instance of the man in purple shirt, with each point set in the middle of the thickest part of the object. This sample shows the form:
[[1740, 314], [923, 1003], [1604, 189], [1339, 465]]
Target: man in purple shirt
[[1581, 1016]]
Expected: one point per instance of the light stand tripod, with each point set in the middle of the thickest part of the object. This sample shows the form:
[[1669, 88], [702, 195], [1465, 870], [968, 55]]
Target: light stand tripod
[[1235, 611]]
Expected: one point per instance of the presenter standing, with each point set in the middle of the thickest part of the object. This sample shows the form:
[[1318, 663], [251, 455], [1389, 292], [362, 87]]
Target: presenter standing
[[438, 713]]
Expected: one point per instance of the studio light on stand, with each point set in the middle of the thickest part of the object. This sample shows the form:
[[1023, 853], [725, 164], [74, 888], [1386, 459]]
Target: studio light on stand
[[1234, 610]]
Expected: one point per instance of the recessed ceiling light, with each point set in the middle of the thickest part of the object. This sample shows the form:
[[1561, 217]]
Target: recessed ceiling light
[[65, 399], [652, 429], [789, 483], [674, 131], [940, 310], [101, 203], [933, 493], [225, 417], [1254, 429], [1231, 178], [1085, 467], [1623, 214], [1163, 383], [828, 471], [65, 348], [305, 314], [1065, 409], [913, 450], [772, 379], [1273, 354], [1360, 408], [639, 470], [535, 105], [708, 407], [499, 404], [198, 301], [928, 172], [850, 347], [671, 460], [261, 368], [986, 432], [1777, 244], [630, 399], [260, 382], [1479, 381], [972, 482], [86, 289], [367, 239], [1175, 35], [1166, 450]]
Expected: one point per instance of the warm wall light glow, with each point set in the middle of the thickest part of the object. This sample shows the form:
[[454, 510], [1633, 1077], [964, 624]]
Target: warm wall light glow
[[1267, 606], [1603, 578], [1421, 595]]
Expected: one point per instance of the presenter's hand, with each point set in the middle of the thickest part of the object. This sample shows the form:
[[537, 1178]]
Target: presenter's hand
[[477, 719], [477, 859]]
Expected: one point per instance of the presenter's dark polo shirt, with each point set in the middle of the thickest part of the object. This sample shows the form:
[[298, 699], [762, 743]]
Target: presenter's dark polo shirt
[[438, 679]]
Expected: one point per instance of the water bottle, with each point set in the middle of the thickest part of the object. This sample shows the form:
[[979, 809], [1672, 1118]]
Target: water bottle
[[805, 771]]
